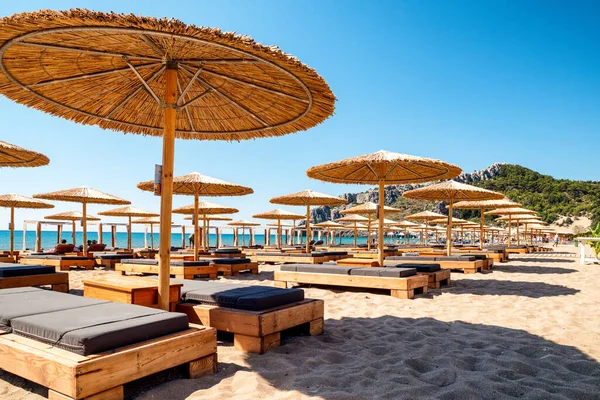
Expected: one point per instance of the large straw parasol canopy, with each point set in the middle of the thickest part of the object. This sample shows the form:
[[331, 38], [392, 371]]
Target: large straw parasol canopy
[[72, 216], [279, 215], [13, 201], [330, 225], [129, 212], [452, 192], [206, 208], [157, 77], [201, 185], [15, 156], [210, 218], [146, 220], [85, 196], [243, 223], [308, 198]]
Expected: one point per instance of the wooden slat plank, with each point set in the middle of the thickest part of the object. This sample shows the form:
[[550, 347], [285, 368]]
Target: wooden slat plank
[[34, 280]]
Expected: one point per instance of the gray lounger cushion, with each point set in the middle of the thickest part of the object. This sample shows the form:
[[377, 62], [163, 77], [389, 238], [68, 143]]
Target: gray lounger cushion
[[11, 270], [176, 263], [113, 256], [411, 258], [418, 267], [386, 272], [335, 253], [455, 258], [475, 256], [54, 257], [230, 261], [99, 327], [227, 251], [323, 269], [32, 301], [244, 297]]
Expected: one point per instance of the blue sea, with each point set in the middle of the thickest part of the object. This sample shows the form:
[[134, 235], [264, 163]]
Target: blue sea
[[49, 239]]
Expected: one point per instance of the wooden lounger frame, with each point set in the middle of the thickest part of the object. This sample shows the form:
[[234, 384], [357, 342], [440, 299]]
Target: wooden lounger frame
[[7, 259], [235, 269], [58, 280], [60, 265], [516, 251], [101, 376], [179, 271], [107, 263], [258, 331], [437, 279], [402, 288], [358, 262], [276, 258], [468, 267]]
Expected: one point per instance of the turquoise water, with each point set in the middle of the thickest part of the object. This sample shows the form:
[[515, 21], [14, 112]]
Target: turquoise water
[[49, 239]]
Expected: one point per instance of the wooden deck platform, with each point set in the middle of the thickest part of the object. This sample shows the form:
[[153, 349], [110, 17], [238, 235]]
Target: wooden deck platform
[[59, 281], [101, 376], [258, 331], [60, 265], [402, 288], [178, 271]]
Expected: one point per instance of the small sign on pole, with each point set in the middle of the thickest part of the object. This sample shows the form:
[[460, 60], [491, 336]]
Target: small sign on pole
[[157, 179]]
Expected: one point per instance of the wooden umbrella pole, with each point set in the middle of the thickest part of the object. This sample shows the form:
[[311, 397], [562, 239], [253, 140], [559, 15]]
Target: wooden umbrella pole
[[166, 197], [449, 229], [84, 223], [355, 232], [426, 231], [73, 233], [38, 237], [481, 232], [279, 233], [12, 230], [204, 232], [509, 229], [308, 228], [196, 232], [369, 234], [152, 236], [380, 215], [100, 234], [129, 247], [58, 233], [518, 234]]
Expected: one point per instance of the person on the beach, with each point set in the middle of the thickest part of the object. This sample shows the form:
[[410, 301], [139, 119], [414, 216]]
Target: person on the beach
[[191, 239], [63, 241], [555, 240]]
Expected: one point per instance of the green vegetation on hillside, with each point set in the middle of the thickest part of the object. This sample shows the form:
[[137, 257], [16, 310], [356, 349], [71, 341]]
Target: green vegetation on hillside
[[550, 197]]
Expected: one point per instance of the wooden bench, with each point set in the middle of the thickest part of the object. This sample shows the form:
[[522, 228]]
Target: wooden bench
[[402, 288], [258, 331], [59, 281], [60, 265], [179, 272], [101, 376]]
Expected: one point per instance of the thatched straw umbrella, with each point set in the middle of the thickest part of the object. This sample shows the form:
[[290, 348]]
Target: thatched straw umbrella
[[512, 213], [404, 225], [330, 226], [151, 221], [482, 206], [204, 209], [426, 216], [196, 184], [85, 196], [15, 156], [72, 216], [13, 201], [308, 198], [129, 212], [356, 220], [381, 168], [243, 224], [157, 77], [279, 215], [369, 209], [451, 192]]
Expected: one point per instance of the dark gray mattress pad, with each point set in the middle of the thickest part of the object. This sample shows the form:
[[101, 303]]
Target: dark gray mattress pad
[[8, 270]]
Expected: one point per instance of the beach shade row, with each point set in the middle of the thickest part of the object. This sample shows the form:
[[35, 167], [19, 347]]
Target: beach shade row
[[157, 77], [279, 215], [72, 216], [368, 208], [196, 184]]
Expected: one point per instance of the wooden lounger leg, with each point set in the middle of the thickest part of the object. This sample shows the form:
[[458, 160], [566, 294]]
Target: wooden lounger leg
[[470, 270], [316, 327], [254, 270], [402, 294], [213, 276], [202, 366], [61, 287], [280, 284], [115, 393], [252, 344]]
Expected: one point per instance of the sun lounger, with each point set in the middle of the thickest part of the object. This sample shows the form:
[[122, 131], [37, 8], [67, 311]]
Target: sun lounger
[[110, 259], [402, 283], [256, 315], [437, 277], [228, 253], [17, 275], [466, 263], [180, 269], [85, 348], [233, 266], [305, 258], [59, 262], [517, 250]]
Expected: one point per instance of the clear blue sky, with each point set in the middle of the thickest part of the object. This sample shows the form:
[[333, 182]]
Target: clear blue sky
[[469, 82]]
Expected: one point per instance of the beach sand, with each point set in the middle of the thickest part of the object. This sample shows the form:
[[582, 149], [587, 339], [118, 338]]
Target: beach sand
[[530, 329]]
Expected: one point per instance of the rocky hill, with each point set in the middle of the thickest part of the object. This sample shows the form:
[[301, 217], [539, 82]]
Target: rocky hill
[[554, 199]]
